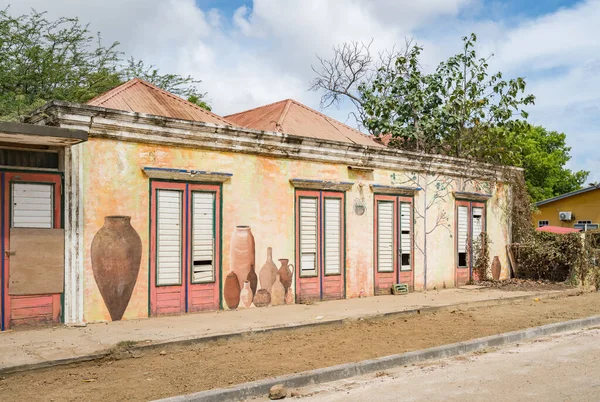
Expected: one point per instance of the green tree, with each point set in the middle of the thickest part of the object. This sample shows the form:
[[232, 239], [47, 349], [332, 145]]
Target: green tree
[[43, 60], [543, 154]]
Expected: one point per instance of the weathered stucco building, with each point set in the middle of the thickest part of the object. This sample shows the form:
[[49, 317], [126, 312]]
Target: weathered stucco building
[[213, 202]]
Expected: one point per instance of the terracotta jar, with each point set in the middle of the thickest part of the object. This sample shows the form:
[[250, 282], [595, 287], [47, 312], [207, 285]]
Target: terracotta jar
[[242, 254], [286, 274], [116, 254], [262, 298], [496, 268], [277, 292], [253, 279], [268, 271], [232, 291], [246, 295]]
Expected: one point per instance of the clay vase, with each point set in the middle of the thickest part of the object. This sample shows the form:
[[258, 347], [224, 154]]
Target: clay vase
[[268, 271], [277, 292], [285, 274], [253, 279], [262, 298], [496, 268], [116, 254], [232, 291], [246, 295], [242, 252], [289, 297]]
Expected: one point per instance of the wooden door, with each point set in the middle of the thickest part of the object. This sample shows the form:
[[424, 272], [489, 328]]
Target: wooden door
[[31, 205], [469, 223], [185, 244]]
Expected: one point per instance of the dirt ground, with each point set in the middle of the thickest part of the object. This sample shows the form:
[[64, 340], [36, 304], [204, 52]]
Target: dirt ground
[[515, 284], [172, 371]]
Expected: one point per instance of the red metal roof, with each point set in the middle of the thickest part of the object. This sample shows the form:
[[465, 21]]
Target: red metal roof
[[291, 117], [139, 96], [557, 229]]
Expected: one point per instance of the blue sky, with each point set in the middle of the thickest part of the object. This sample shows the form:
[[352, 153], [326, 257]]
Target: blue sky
[[252, 52]]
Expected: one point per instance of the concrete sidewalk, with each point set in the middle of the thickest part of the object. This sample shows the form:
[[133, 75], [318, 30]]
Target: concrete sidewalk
[[49, 346]]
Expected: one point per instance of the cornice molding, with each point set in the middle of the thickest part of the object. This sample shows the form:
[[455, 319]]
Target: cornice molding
[[186, 175], [307, 184], [395, 190]]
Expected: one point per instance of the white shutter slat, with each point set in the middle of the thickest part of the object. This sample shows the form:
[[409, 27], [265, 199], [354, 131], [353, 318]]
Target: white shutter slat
[[333, 211], [463, 228], [308, 236], [32, 205], [168, 216], [477, 222], [203, 237], [385, 236]]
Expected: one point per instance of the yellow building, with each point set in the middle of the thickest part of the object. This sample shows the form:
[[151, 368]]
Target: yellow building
[[579, 209]]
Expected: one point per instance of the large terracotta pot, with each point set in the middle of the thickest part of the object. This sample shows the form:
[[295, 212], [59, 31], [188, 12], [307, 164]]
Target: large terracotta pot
[[246, 295], [268, 271], [262, 298], [232, 291], [241, 256], [285, 273], [116, 255], [496, 268], [277, 292], [253, 279]]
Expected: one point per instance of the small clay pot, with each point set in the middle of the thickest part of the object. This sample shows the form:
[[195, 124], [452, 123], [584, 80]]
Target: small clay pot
[[277, 292], [246, 295], [285, 273], [289, 297], [232, 291], [262, 298]]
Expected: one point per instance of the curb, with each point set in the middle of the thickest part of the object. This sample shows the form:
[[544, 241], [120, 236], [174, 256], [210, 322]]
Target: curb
[[337, 321], [261, 388]]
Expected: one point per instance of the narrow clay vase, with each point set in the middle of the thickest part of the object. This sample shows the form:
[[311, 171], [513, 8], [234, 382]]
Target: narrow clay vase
[[246, 295], [116, 254], [253, 279], [232, 291], [268, 271], [277, 292], [285, 274], [289, 297], [496, 268], [242, 253], [262, 298]]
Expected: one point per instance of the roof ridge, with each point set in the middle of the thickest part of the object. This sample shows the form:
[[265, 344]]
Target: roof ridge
[[258, 107], [569, 194], [184, 101], [111, 93], [331, 120]]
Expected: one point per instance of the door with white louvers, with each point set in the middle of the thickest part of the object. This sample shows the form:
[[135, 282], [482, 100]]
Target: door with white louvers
[[320, 245], [308, 236], [385, 236], [186, 248], [462, 235], [405, 246], [169, 237]]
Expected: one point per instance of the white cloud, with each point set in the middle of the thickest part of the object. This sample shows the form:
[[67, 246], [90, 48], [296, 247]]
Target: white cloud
[[263, 53]]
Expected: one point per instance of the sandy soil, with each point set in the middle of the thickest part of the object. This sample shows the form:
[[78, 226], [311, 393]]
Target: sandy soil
[[524, 285], [180, 370]]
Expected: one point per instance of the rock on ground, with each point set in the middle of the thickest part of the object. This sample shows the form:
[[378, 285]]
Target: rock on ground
[[277, 392]]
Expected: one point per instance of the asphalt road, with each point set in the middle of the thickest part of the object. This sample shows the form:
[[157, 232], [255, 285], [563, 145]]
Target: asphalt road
[[559, 368]]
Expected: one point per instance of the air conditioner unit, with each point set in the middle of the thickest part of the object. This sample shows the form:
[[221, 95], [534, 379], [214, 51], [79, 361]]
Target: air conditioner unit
[[565, 216]]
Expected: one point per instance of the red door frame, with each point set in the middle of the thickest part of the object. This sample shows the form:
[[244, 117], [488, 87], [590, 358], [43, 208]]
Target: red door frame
[[383, 281], [187, 296], [462, 275], [321, 286], [30, 308]]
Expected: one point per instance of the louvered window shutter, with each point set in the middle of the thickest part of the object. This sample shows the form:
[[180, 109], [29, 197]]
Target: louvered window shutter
[[32, 205], [477, 223], [405, 236], [168, 259], [463, 231], [385, 236], [203, 237], [308, 236], [333, 236]]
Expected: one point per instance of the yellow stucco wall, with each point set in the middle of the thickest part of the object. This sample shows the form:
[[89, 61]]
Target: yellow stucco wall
[[261, 196], [585, 207]]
